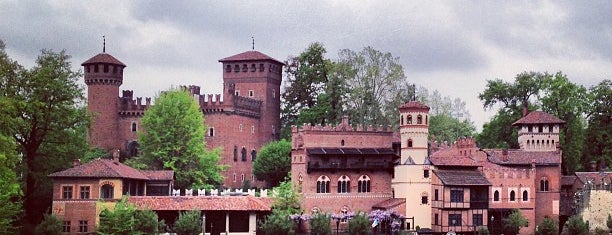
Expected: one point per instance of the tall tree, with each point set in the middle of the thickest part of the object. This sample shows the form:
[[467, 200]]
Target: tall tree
[[273, 162], [599, 127], [370, 74], [448, 118], [174, 140], [10, 190], [45, 120]]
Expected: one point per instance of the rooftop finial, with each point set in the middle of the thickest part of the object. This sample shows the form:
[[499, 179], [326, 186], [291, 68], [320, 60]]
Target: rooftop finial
[[413, 92], [103, 44], [253, 42]]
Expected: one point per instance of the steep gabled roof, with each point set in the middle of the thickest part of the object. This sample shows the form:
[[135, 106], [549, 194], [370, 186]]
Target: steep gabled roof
[[103, 58], [461, 177], [206, 203], [101, 168], [249, 56], [538, 117]]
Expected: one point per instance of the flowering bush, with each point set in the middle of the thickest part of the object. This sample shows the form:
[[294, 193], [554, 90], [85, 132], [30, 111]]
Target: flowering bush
[[387, 219]]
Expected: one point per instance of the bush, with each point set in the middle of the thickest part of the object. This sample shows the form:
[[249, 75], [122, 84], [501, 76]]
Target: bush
[[277, 223], [575, 226], [50, 225], [482, 230], [609, 222], [188, 223], [119, 221], [319, 224], [146, 222], [548, 227], [515, 222], [360, 224]]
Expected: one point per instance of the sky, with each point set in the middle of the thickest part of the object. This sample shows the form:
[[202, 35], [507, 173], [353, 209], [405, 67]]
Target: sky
[[450, 46]]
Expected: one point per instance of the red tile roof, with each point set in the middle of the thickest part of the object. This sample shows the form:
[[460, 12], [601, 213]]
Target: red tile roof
[[159, 175], [568, 180], [522, 157], [249, 56], [389, 203], [445, 157], [461, 177], [207, 203], [538, 117], [101, 168], [595, 177], [414, 105], [103, 58]]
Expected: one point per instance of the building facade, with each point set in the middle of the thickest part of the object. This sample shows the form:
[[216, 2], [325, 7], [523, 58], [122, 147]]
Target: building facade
[[241, 120]]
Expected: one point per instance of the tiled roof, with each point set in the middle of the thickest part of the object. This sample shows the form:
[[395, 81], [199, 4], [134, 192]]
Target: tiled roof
[[101, 168], [445, 157], [208, 203], [568, 180], [248, 56], [389, 203], [103, 58], [459, 177], [414, 105], [595, 177], [350, 151], [538, 117], [522, 157], [159, 175]]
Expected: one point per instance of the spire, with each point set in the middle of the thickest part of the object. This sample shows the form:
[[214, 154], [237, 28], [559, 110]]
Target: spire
[[103, 44], [253, 42]]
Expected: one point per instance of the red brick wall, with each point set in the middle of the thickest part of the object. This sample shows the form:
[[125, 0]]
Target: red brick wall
[[102, 105], [545, 200]]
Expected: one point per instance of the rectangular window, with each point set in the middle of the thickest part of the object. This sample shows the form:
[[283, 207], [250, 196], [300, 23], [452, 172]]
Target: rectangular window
[[66, 226], [424, 199], [242, 177], [477, 219], [234, 177], [252, 129], [454, 220], [436, 195], [83, 226], [436, 219], [251, 93], [425, 174], [540, 128], [67, 192], [550, 128], [84, 192], [237, 93], [456, 195]]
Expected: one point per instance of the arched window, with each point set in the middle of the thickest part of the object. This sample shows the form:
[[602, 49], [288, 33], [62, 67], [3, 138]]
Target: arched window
[[402, 120], [424, 198], [419, 119], [496, 196], [211, 131], [409, 119], [253, 155], [525, 196], [107, 191], [512, 196], [344, 184], [237, 68], [342, 143], [363, 184], [544, 184], [409, 143], [235, 153], [134, 129], [244, 154], [132, 149], [323, 184], [228, 68]]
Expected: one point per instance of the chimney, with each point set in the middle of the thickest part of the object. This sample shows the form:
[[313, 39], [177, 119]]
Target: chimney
[[76, 162], [505, 155], [116, 155], [345, 120]]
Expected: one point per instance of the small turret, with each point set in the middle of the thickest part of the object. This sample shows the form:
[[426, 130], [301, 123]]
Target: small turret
[[538, 131]]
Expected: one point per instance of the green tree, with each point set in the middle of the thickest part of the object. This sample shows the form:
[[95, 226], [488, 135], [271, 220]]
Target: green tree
[[490, 136], [50, 225], [46, 119], [278, 222], [320, 224], [273, 162], [287, 202], [118, 221], [515, 222], [370, 75], [146, 222], [10, 190], [359, 224], [599, 127], [188, 223], [174, 140], [447, 128], [548, 227], [483, 230], [575, 226]]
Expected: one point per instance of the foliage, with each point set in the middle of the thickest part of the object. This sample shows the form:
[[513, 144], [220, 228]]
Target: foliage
[[446, 128], [359, 224], [188, 223], [609, 222], [174, 141], [548, 227], [515, 222], [600, 231], [320, 224], [50, 225], [500, 123], [599, 127], [273, 162], [278, 222], [146, 222], [287, 198], [118, 221], [10, 190], [46, 117], [483, 230], [575, 226], [94, 154]]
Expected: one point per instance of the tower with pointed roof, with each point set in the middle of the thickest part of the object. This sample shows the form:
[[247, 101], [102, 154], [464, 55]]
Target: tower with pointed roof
[[538, 131], [103, 76], [413, 174]]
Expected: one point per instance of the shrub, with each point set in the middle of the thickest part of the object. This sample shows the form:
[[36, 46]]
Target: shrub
[[50, 225], [609, 222], [146, 222], [359, 224], [188, 223], [548, 227], [277, 223], [482, 230], [575, 226], [515, 222], [319, 224]]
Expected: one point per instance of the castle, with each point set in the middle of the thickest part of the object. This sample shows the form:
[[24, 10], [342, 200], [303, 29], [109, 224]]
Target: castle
[[240, 121]]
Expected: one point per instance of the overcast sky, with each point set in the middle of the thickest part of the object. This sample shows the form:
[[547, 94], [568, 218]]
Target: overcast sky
[[449, 46]]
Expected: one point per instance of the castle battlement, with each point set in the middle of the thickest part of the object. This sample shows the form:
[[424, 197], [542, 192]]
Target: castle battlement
[[226, 102], [464, 142], [128, 106], [342, 127]]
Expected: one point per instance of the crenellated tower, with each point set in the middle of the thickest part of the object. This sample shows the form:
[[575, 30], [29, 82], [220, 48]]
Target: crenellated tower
[[538, 131], [103, 76]]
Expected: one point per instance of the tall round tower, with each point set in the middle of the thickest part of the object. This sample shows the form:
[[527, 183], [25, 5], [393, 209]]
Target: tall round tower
[[103, 76]]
